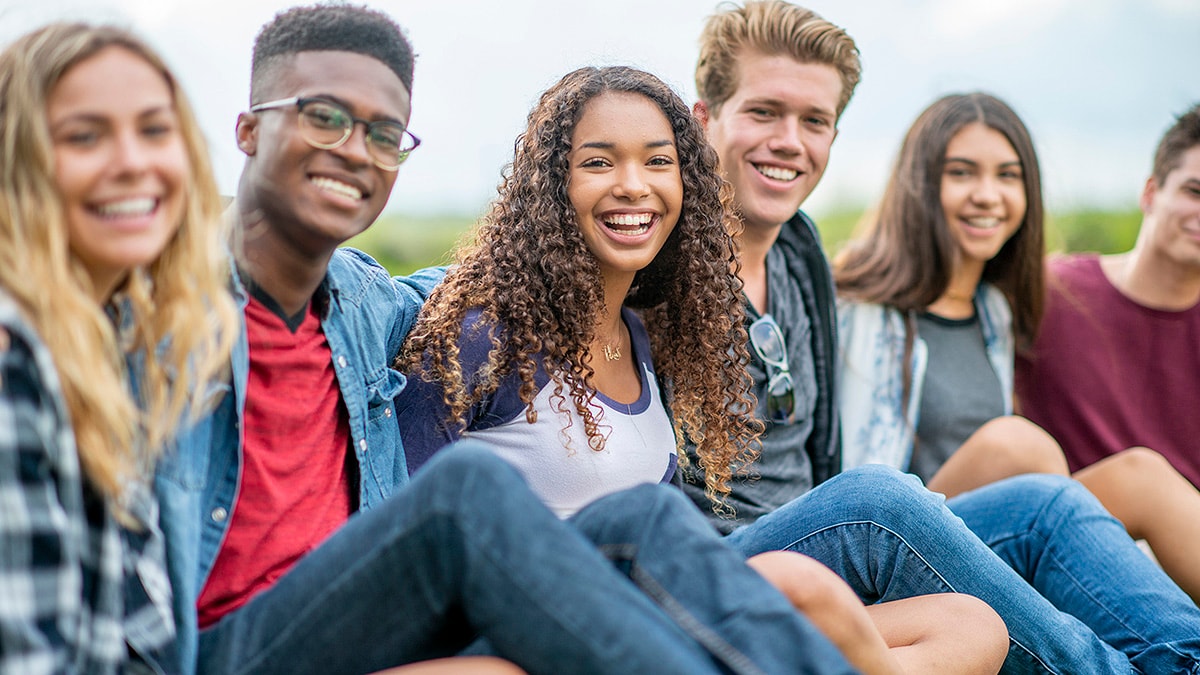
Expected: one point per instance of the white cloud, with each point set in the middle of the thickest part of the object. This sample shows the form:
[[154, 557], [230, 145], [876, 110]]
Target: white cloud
[[985, 22], [1184, 9]]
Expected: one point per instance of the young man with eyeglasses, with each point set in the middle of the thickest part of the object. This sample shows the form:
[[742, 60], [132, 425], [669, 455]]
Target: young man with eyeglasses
[[295, 539], [1075, 592]]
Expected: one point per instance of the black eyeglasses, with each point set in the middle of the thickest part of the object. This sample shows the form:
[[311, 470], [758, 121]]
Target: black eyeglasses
[[326, 125], [767, 340]]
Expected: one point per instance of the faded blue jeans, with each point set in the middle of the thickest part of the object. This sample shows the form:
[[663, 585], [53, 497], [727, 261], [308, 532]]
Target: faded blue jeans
[[466, 550], [1094, 603]]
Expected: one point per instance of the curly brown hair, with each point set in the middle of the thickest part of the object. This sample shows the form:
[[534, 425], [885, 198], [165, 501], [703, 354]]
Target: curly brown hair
[[532, 275]]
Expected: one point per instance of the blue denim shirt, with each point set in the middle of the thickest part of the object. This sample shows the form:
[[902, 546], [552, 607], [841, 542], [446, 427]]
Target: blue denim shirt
[[366, 319]]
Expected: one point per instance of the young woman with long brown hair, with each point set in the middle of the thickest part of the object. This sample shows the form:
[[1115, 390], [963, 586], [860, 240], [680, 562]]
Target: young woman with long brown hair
[[936, 296]]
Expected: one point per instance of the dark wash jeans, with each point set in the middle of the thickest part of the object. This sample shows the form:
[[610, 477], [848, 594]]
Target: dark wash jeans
[[467, 551]]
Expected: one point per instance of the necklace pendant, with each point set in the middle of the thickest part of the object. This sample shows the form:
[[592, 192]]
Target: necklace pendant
[[612, 354]]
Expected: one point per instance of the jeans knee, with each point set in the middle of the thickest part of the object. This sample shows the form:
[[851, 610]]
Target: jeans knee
[[642, 514], [1043, 488], [1057, 499], [877, 492], [465, 457], [643, 503], [470, 469], [867, 475]]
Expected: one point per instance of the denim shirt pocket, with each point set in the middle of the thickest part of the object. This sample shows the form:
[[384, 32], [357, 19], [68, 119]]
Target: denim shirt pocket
[[384, 454]]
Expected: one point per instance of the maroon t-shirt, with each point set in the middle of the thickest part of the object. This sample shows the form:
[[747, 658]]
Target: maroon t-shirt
[[1107, 373], [295, 489]]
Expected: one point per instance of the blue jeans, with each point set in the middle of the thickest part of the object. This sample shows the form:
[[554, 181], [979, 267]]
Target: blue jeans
[[1057, 536], [467, 550], [655, 535], [890, 538]]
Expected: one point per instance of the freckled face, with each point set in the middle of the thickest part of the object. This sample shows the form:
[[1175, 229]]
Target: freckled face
[[624, 181], [120, 163]]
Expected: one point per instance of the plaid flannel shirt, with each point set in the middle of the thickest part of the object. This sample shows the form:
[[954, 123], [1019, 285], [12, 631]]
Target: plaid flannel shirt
[[78, 593]]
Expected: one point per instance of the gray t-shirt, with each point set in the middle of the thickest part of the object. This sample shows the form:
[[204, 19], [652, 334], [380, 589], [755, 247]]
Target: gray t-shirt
[[783, 471], [961, 390]]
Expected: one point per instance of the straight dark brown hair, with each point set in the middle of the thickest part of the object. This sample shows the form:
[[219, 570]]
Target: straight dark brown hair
[[903, 257]]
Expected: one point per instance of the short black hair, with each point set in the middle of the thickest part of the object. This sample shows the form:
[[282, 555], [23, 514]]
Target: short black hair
[[332, 27]]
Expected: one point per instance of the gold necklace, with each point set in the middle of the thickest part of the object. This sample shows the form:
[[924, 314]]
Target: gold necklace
[[612, 353]]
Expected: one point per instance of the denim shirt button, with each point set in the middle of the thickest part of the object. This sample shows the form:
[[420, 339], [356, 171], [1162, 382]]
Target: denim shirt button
[[219, 514], [387, 412], [341, 362], [363, 444]]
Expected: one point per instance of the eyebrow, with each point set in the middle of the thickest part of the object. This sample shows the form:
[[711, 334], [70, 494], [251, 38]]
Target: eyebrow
[[609, 145], [99, 117], [972, 162], [778, 103], [350, 107]]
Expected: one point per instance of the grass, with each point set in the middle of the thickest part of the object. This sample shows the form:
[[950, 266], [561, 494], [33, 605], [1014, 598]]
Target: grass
[[406, 243]]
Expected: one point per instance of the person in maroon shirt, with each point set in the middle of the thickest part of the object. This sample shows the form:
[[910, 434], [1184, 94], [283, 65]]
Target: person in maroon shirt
[[1115, 362]]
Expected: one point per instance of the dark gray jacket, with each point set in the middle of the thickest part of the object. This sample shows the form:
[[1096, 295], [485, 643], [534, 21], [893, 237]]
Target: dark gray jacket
[[781, 476]]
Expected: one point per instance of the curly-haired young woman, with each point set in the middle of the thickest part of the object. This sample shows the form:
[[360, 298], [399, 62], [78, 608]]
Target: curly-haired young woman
[[611, 203]]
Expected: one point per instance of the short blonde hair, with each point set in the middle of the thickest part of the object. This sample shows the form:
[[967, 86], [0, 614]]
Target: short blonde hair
[[181, 319], [772, 27]]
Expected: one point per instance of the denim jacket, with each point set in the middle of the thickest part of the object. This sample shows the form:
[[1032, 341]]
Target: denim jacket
[[875, 428], [366, 319]]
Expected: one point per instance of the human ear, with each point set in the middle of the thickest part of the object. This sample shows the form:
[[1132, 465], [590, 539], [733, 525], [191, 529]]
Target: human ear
[[247, 133], [700, 111], [1148, 191]]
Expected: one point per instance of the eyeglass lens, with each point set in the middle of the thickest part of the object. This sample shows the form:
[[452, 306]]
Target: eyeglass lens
[[767, 340], [781, 398], [328, 126]]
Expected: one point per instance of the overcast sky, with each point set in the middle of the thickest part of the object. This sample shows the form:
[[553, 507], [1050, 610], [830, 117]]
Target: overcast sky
[[1097, 81]]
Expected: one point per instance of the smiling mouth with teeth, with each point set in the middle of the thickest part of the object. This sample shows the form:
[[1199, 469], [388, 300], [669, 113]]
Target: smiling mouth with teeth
[[337, 187], [776, 173], [983, 223], [127, 207], [629, 223]]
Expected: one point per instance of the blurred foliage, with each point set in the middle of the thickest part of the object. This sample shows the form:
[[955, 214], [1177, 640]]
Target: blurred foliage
[[407, 243], [404, 244], [1099, 230]]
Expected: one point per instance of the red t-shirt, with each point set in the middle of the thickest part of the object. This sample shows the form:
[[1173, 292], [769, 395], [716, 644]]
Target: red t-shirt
[[1107, 373], [295, 489]]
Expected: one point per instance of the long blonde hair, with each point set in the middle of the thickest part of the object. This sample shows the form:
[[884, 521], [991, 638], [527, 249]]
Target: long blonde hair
[[176, 315]]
